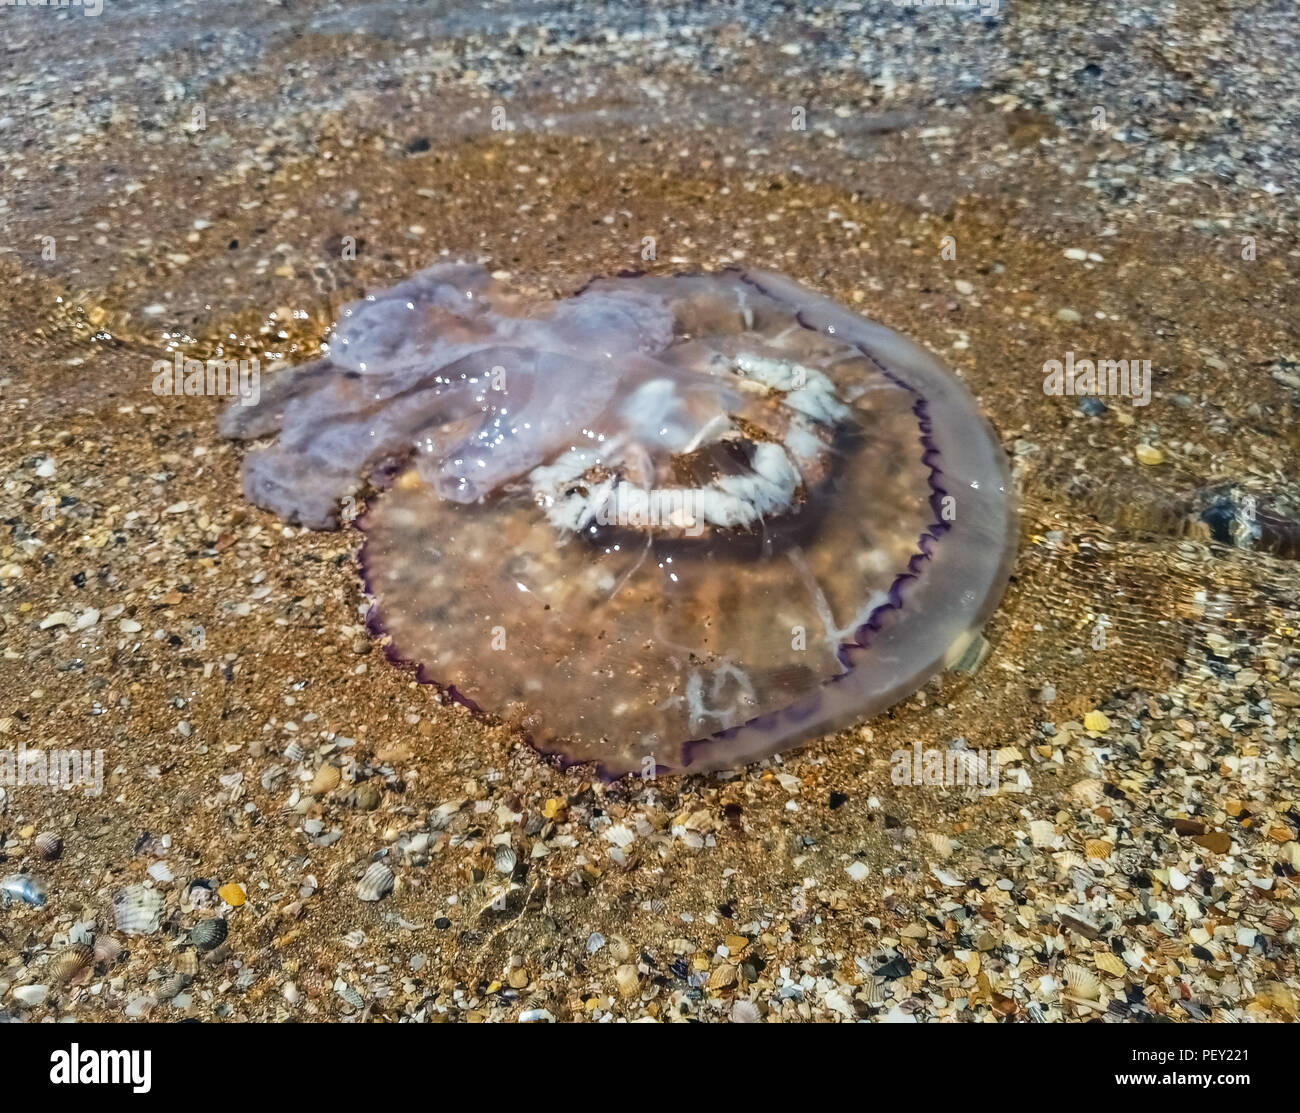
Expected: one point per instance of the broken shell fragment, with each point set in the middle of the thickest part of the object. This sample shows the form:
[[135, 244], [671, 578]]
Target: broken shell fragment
[[941, 843], [1042, 832], [365, 797], [1097, 848], [1087, 791], [1111, 963]]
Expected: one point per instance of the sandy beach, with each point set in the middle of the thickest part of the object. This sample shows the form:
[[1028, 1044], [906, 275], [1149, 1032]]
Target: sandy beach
[[220, 180]]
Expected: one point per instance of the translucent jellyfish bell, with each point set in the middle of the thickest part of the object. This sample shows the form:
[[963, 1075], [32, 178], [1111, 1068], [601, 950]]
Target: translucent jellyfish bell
[[690, 522]]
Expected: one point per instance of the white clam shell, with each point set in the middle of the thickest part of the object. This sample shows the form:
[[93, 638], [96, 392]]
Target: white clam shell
[[1081, 982], [376, 883], [137, 910], [1042, 832]]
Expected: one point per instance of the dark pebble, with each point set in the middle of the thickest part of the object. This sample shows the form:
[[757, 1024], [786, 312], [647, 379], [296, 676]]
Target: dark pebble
[[895, 968]]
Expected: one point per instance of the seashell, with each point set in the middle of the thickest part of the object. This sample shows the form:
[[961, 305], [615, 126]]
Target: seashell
[[941, 843], [375, 884], [1279, 919], [505, 860], [171, 986], [187, 962], [1110, 962], [22, 887], [294, 751], [414, 846], [106, 950], [217, 955], [208, 934], [326, 780], [766, 384], [70, 962], [365, 797], [1069, 860], [722, 976], [1255, 909], [873, 992], [1096, 722], [1087, 791], [627, 980], [1216, 950], [1083, 879], [1097, 848], [48, 845], [1042, 832], [31, 996], [745, 1012], [351, 996], [201, 893], [1129, 862], [1081, 982], [140, 1006], [137, 910]]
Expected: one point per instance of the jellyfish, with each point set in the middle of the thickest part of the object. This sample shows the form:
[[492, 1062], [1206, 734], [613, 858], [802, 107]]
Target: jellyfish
[[669, 523]]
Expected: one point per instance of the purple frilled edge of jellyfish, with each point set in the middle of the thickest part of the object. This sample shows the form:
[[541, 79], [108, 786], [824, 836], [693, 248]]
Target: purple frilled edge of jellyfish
[[668, 523]]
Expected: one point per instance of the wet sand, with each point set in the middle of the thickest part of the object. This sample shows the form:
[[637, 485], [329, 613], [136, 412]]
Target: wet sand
[[1155, 852]]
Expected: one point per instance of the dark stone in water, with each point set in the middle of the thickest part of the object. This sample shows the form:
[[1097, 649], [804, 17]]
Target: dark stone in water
[[1260, 521]]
